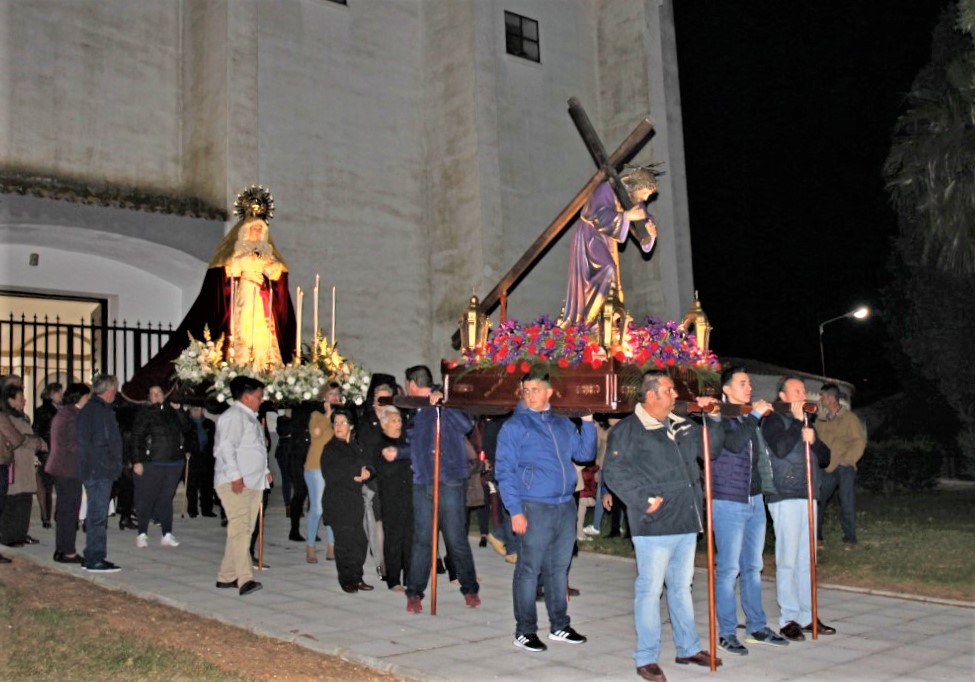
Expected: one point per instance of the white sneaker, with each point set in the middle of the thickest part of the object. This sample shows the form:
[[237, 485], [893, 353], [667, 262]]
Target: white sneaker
[[590, 530], [168, 541], [141, 541]]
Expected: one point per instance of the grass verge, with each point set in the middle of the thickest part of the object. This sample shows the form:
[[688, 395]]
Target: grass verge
[[920, 543]]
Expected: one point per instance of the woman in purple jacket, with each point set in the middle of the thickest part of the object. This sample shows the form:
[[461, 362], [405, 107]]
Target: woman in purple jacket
[[62, 464]]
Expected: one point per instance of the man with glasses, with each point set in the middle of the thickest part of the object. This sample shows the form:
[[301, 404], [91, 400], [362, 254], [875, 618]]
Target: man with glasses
[[537, 479]]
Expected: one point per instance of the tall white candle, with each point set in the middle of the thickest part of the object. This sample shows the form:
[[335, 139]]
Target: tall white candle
[[299, 295], [333, 315], [315, 312]]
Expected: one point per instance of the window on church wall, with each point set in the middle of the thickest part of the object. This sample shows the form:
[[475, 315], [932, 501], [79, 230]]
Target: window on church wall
[[521, 36]]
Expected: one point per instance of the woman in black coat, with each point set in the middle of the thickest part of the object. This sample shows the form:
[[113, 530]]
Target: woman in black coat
[[345, 468], [394, 474]]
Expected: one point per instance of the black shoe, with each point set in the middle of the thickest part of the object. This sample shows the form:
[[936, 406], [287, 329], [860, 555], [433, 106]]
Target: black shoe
[[31, 541], [257, 565], [792, 632], [209, 515], [15, 545], [250, 586], [363, 586], [529, 642], [351, 588], [4, 560], [223, 523], [441, 569], [46, 524], [223, 586], [102, 567], [822, 629], [482, 542], [127, 522], [573, 592], [295, 536], [192, 515]]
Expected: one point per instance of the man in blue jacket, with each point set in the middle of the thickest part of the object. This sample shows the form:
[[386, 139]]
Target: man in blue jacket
[[537, 479], [100, 463], [454, 471]]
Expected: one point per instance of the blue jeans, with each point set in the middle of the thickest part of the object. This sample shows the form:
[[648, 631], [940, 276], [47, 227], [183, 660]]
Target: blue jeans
[[661, 558], [453, 510], [845, 479], [739, 535], [597, 514], [793, 589], [546, 551], [99, 492], [315, 482]]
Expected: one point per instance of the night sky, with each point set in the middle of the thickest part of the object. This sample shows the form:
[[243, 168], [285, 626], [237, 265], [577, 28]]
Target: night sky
[[787, 111]]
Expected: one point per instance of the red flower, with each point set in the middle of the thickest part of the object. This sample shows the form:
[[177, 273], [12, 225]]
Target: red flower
[[670, 362], [596, 363], [654, 346], [510, 368], [658, 362], [550, 343], [563, 362], [525, 366], [620, 356], [532, 349], [451, 364]]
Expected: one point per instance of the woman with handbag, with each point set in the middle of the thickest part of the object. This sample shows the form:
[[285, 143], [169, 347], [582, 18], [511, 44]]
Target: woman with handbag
[[21, 474]]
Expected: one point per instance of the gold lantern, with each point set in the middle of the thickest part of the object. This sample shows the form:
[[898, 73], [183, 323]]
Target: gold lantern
[[696, 318], [612, 321], [474, 326]]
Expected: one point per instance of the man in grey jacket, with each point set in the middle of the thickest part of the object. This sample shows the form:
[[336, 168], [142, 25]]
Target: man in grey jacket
[[651, 465]]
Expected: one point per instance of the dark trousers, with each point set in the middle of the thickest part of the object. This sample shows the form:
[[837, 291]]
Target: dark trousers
[[351, 546], [299, 492], [124, 492], [16, 518], [66, 514], [154, 491], [451, 521], [4, 472], [282, 454], [45, 484], [99, 493], [255, 535], [544, 555], [398, 536], [199, 488], [843, 478]]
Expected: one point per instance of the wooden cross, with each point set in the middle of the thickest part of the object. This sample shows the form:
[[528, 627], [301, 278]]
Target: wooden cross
[[627, 150]]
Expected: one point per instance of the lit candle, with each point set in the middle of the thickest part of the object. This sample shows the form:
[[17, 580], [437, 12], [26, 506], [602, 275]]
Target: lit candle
[[299, 295], [333, 315]]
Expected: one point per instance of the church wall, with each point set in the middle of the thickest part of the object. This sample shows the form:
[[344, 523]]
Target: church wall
[[341, 149], [95, 90]]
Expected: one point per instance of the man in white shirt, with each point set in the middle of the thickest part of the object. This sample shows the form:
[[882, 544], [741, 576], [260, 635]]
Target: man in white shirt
[[240, 477]]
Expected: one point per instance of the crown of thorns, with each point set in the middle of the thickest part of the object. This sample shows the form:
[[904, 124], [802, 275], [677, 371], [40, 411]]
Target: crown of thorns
[[255, 194], [635, 177]]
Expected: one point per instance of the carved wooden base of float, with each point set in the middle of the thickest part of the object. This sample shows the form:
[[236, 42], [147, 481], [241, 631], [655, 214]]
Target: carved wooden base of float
[[611, 389]]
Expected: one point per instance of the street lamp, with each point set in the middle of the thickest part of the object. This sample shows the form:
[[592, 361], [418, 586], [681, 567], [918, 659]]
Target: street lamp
[[860, 313]]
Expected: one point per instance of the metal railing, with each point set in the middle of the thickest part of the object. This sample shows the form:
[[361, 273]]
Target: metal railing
[[44, 350]]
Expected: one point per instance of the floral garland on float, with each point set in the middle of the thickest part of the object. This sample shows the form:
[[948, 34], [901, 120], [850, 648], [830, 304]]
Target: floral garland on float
[[594, 366], [202, 365]]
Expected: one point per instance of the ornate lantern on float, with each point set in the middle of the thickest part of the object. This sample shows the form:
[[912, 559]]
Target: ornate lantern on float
[[474, 326], [612, 321], [696, 318]]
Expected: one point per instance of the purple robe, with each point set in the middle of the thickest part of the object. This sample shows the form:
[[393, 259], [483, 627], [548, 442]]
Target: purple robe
[[594, 255]]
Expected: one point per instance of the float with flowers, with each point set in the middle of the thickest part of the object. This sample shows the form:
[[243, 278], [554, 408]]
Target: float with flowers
[[593, 368]]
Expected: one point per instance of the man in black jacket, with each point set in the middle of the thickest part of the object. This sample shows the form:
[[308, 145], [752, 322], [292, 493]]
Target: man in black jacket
[[199, 442], [788, 436], [651, 464]]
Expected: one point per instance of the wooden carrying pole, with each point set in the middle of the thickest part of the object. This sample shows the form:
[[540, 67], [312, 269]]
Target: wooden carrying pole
[[436, 518], [712, 613], [260, 536], [812, 536]]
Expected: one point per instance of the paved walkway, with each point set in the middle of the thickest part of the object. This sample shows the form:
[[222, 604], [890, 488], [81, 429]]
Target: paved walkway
[[880, 638]]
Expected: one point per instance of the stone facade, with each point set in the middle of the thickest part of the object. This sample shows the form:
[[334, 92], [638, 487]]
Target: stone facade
[[412, 160]]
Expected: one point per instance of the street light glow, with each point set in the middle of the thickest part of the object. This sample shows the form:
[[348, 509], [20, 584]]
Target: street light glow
[[861, 312]]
